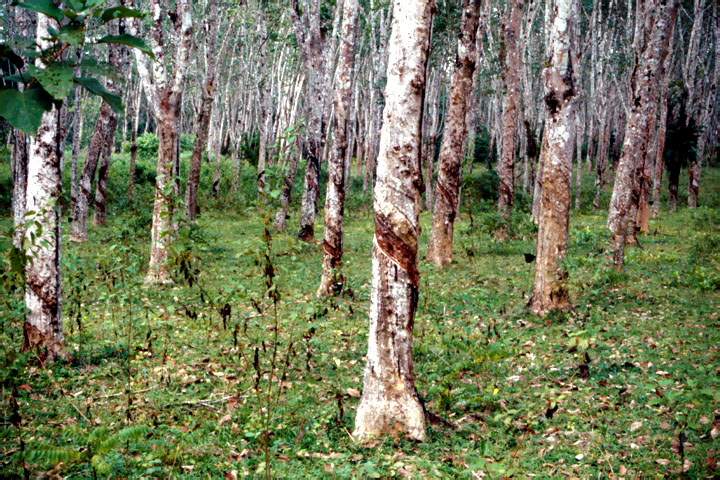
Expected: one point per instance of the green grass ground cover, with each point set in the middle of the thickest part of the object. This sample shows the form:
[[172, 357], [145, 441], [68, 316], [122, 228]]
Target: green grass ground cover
[[212, 379]]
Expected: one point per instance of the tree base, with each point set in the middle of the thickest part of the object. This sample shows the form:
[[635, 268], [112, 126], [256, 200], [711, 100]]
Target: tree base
[[397, 417]]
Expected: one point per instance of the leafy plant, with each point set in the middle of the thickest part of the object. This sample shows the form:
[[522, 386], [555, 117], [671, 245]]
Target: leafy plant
[[33, 89]]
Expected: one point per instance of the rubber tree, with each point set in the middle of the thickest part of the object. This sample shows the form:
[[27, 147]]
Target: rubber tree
[[205, 113], [164, 92], [511, 76], [43, 328], [332, 280], [452, 150], [657, 21], [550, 291], [389, 404]]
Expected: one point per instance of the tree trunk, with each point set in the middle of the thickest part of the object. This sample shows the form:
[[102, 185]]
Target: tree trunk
[[104, 131], [311, 41], [78, 124], [551, 291], [203, 120], [102, 183], [659, 17], [167, 101], [20, 179], [602, 159], [134, 145], [332, 280], [511, 74], [43, 329], [265, 99], [453, 147], [390, 404]]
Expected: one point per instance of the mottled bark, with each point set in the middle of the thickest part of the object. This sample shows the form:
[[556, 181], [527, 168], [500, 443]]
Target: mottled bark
[[511, 77], [312, 44], [286, 196], [452, 151], [133, 144], [102, 184], [104, 131], [550, 291], [20, 155], [78, 125], [431, 120], [332, 280], [630, 172], [390, 405], [43, 329], [705, 113], [601, 162], [168, 94], [22, 25], [205, 114], [265, 99]]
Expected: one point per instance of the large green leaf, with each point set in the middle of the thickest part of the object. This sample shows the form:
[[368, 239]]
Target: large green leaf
[[24, 110], [93, 86], [46, 7], [73, 33], [128, 40], [120, 12], [56, 79]]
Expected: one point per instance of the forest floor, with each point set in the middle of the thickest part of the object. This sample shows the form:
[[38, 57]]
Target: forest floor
[[627, 385]]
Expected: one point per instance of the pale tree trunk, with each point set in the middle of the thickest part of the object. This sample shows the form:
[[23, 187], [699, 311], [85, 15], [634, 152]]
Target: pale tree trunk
[[452, 151], [310, 39], [104, 133], [23, 21], [217, 175], [282, 214], [265, 100], [511, 75], [390, 405], [429, 145], [20, 178], [602, 158], [168, 103], [656, 150], [551, 290], [332, 280], [133, 142], [705, 118], [659, 18], [43, 329], [102, 183], [78, 124], [205, 114]]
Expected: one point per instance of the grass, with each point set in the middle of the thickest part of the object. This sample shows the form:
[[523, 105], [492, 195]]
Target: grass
[[159, 386]]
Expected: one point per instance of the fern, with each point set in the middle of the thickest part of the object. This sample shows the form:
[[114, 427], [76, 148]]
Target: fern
[[127, 434], [53, 455]]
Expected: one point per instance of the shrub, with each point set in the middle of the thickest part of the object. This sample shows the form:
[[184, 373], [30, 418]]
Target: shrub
[[148, 144]]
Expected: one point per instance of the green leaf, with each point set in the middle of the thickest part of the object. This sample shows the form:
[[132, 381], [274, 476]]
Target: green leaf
[[120, 12], [73, 33], [128, 40], [46, 7], [93, 86], [24, 110], [56, 79]]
